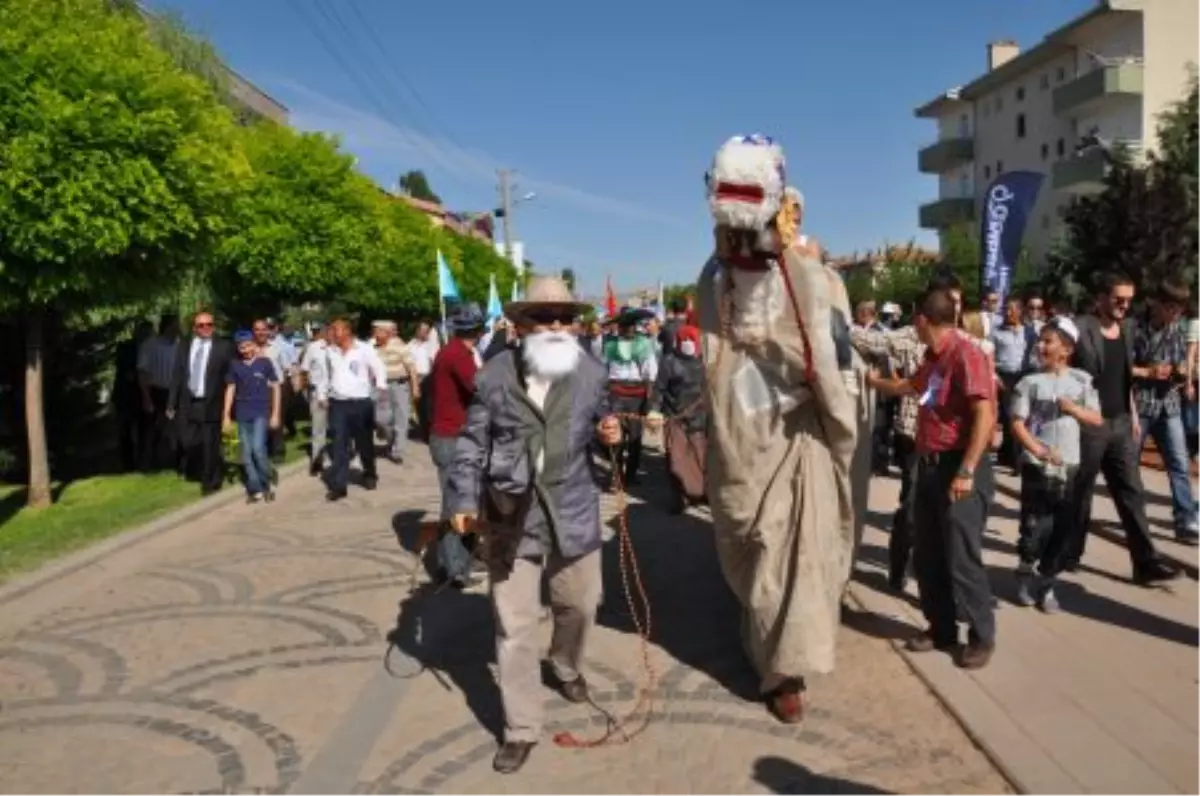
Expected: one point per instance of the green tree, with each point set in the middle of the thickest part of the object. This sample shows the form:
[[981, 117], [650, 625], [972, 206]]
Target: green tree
[[304, 225], [116, 172], [568, 276], [415, 184]]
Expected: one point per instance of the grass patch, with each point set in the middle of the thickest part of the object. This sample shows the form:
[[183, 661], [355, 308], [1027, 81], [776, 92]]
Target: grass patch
[[88, 510]]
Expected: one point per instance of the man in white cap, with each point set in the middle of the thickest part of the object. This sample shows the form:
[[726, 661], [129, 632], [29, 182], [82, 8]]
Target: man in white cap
[[784, 425], [522, 458]]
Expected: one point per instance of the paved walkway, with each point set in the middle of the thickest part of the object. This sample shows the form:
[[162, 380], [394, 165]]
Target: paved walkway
[[244, 650], [1099, 698]]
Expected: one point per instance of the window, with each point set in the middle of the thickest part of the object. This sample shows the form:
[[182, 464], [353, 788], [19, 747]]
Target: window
[[1020, 93], [1044, 83], [1045, 151], [1061, 75], [987, 172], [1020, 125], [1061, 147], [999, 167]]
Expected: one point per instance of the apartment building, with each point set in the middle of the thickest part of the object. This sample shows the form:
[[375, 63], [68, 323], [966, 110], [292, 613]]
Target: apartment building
[[1102, 79]]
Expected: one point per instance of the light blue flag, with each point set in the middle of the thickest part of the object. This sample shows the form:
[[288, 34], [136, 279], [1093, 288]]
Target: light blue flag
[[446, 285], [494, 310]]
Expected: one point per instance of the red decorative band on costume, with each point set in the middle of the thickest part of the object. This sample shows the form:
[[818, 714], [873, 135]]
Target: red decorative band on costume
[[625, 390], [733, 192]]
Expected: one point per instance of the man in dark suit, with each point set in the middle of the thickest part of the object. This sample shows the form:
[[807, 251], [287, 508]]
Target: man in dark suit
[[1105, 351], [197, 400]]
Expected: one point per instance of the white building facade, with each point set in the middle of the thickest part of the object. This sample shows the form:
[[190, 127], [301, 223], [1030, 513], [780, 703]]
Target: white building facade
[[1100, 80]]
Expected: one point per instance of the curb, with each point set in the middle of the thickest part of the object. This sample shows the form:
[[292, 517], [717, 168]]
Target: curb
[[1012, 777], [123, 540]]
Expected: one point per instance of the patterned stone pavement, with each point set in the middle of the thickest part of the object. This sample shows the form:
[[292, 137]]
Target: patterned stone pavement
[[276, 648]]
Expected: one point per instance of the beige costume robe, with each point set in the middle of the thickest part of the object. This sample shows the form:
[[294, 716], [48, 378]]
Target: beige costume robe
[[779, 461]]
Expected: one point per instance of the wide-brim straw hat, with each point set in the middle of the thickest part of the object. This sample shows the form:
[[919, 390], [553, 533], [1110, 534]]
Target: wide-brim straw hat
[[545, 292]]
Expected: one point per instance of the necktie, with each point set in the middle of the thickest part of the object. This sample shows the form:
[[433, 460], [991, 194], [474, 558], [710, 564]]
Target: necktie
[[196, 383]]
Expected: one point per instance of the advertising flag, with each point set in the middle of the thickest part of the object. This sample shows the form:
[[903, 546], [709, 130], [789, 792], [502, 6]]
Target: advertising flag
[[446, 285], [1006, 208]]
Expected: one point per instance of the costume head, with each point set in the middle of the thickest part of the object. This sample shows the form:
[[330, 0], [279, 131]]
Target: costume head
[[549, 348], [746, 186]]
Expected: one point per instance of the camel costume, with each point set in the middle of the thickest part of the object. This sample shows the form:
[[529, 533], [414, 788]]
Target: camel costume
[[783, 426]]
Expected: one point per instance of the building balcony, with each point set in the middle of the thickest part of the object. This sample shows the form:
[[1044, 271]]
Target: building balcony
[[1085, 171], [945, 155], [947, 212], [1104, 83]]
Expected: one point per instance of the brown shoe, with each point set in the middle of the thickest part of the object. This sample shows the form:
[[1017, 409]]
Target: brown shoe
[[926, 642], [574, 690], [976, 655], [511, 756]]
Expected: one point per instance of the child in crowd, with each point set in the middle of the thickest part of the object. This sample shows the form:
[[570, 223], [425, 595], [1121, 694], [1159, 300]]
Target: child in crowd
[[252, 401], [1047, 410]]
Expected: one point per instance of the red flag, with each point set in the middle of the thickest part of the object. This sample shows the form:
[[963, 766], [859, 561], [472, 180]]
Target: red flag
[[610, 299]]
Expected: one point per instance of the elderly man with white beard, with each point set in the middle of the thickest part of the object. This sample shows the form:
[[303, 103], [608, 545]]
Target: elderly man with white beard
[[783, 424], [522, 461]]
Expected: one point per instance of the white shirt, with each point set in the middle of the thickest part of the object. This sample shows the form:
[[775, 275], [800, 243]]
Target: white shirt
[[424, 352], [352, 373], [314, 361], [538, 389], [197, 370]]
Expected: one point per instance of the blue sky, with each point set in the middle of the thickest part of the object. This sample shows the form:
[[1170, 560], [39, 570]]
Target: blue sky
[[611, 111]]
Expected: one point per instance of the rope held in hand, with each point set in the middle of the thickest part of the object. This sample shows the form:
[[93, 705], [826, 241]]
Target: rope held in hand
[[635, 593]]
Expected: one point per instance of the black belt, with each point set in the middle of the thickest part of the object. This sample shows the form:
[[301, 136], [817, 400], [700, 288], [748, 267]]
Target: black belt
[[940, 457], [398, 381]]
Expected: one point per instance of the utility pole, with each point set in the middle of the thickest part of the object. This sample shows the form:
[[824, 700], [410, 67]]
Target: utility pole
[[506, 211]]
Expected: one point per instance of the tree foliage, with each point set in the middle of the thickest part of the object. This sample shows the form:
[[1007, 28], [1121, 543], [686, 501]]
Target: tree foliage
[[416, 184], [1144, 221]]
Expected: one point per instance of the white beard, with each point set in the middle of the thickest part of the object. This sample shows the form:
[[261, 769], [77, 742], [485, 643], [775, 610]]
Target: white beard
[[757, 303], [550, 355]]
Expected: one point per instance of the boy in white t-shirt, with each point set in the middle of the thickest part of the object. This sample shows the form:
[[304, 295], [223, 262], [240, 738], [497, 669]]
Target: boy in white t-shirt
[[1047, 410]]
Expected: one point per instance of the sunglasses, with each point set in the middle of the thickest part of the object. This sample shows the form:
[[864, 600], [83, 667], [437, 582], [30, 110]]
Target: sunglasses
[[203, 324], [549, 317]]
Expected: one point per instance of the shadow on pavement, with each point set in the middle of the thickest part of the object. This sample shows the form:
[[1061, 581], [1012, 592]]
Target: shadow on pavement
[[695, 618], [784, 776]]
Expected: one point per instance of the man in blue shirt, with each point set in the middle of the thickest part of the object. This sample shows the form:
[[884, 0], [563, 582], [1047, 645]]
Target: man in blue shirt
[[1012, 340]]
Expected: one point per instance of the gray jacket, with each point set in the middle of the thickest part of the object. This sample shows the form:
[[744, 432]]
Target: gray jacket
[[502, 437]]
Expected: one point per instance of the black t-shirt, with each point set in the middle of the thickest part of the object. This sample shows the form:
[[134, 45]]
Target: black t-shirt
[[1113, 384]]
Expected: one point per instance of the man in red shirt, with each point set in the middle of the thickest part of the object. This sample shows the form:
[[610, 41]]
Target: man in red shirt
[[954, 485], [452, 385]]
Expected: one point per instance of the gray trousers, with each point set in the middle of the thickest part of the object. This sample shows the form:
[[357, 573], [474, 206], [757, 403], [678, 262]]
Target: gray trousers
[[391, 414], [575, 586], [319, 431]]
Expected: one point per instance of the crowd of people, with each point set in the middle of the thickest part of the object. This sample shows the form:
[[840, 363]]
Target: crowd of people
[[773, 398]]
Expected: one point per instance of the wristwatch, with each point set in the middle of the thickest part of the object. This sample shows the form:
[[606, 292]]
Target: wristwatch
[[966, 472]]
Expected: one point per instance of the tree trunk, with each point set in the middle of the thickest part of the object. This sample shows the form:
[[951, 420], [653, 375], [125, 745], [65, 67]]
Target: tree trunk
[[35, 420]]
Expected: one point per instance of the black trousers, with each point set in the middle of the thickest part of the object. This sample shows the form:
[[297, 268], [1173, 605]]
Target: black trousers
[[1045, 505], [948, 549], [1112, 450], [900, 540], [157, 446], [351, 421], [1009, 449], [201, 444]]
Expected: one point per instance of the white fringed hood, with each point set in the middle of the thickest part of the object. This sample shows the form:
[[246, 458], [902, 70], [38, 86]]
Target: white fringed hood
[[746, 183]]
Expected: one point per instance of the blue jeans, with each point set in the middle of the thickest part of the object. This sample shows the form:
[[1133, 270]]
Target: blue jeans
[[252, 434], [453, 556], [1171, 441]]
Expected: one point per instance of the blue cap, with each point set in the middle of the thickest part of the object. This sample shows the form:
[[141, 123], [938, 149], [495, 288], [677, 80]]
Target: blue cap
[[243, 336]]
